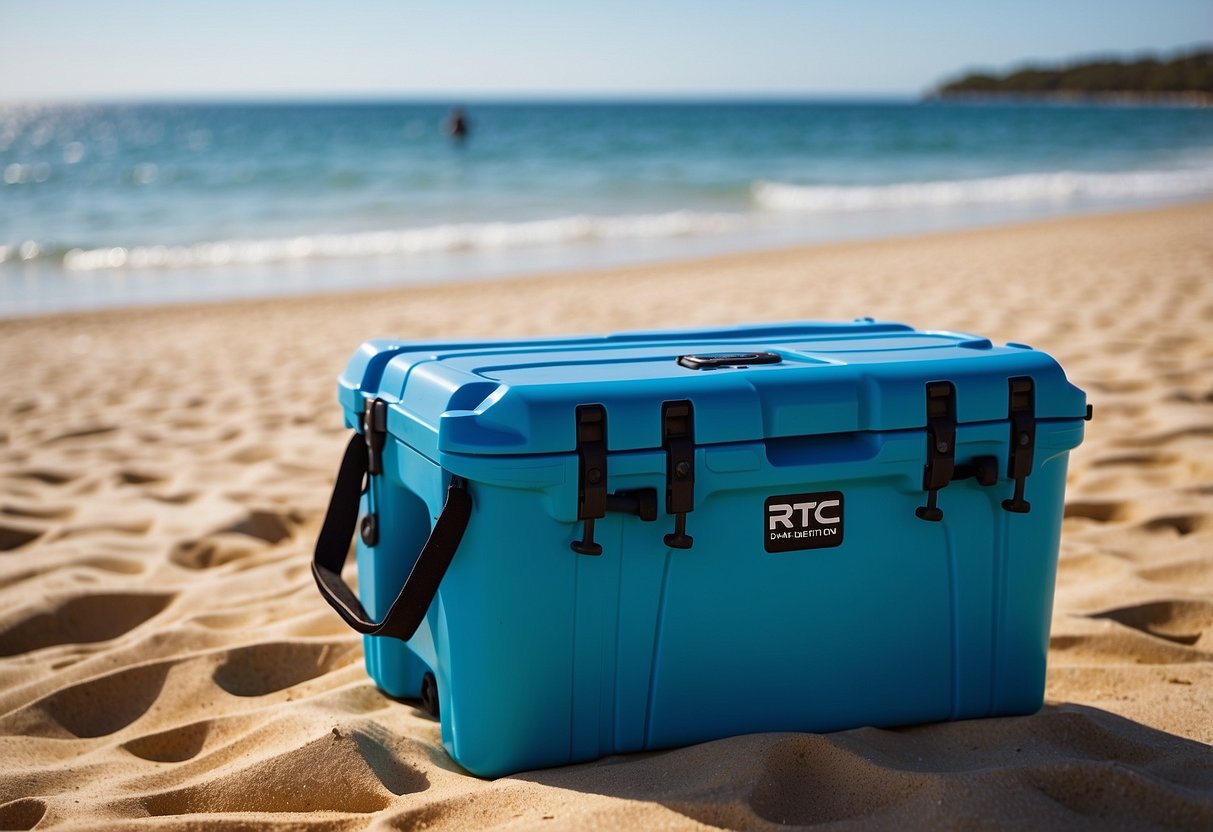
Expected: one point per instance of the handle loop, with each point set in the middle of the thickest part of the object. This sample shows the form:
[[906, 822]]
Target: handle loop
[[332, 546]]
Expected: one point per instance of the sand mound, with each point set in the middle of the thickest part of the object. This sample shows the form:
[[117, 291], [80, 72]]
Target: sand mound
[[166, 662]]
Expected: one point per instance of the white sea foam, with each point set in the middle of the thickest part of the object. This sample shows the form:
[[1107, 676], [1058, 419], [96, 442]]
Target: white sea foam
[[432, 239], [771, 197], [1064, 186]]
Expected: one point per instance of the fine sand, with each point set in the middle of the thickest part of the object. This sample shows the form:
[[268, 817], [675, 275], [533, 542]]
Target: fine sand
[[165, 660]]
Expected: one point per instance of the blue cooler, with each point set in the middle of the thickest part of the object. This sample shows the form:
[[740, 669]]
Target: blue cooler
[[575, 547]]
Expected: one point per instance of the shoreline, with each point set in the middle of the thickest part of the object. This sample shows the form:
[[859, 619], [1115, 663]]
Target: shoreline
[[674, 264], [166, 661]]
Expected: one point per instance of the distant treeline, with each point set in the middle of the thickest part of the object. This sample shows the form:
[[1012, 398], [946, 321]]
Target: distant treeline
[[1187, 75]]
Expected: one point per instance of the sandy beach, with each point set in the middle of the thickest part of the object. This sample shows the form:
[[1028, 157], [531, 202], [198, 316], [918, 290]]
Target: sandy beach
[[166, 661]]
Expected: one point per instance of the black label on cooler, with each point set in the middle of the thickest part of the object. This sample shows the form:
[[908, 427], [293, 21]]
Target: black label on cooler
[[803, 521]]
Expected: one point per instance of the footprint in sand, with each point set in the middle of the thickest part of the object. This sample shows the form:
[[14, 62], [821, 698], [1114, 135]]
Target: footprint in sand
[[360, 699], [45, 476], [95, 707], [1183, 524], [1191, 572], [83, 433], [178, 499], [175, 745], [1192, 396], [1119, 646], [804, 782], [238, 540], [1148, 460], [1099, 511], [1185, 622], [14, 537], [1196, 431], [245, 620], [133, 477], [252, 454], [37, 512], [118, 566], [136, 528], [357, 773], [272, 527], [209, 552], [83, 619], [23, 813], [261, 669]]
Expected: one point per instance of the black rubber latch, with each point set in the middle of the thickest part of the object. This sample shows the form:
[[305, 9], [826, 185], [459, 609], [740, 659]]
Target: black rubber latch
[[1021, 410], [712, 360], [374, 434], [591, 474], [941, 467], [941, 446], [374, 431], [678, 440]]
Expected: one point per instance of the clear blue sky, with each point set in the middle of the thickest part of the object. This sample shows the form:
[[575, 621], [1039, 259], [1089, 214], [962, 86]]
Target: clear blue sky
[[222, 48]]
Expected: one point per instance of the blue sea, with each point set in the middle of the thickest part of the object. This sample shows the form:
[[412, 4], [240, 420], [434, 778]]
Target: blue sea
[[126, 204]]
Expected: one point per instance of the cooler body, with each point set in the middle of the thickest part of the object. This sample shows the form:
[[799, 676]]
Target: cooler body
[[819, 583]]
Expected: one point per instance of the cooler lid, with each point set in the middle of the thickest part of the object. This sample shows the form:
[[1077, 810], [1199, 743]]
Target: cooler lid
[[744, 383]]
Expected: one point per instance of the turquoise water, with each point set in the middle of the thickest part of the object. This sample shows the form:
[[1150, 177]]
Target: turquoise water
[[114, 205]]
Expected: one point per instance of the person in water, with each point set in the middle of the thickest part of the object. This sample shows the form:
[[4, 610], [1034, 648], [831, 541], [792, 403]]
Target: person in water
[[457, 125]]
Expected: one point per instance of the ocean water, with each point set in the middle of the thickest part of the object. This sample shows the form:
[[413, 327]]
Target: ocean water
[[117, 205]]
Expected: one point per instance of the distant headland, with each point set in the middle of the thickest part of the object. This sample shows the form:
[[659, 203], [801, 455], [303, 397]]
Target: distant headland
[[1186, 78]]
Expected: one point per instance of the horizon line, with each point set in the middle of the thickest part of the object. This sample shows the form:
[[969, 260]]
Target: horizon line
[[468, 97]]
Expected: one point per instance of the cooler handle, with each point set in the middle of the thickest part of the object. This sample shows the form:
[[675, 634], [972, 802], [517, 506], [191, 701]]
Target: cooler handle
[[332, 546]]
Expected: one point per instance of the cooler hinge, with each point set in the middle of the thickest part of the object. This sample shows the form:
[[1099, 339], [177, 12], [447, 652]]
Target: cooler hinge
[[374, 433], [678, 440], [941, 467], [1021, 410]]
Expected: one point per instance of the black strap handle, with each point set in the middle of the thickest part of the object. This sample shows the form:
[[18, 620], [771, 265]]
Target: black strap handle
[[410, 606]]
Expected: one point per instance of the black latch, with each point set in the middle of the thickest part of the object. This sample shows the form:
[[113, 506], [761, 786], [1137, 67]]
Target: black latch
[[591, 474], [593, 501], [941, 467], [678, 440], [1021, 409], [374, 433], [941, 445]]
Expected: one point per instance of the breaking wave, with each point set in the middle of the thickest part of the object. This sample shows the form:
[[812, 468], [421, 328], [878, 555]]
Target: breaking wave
[[1062, 186], [433, 239], [769, 197]]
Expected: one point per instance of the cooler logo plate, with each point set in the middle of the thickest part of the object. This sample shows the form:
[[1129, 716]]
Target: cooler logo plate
[[803, 521]]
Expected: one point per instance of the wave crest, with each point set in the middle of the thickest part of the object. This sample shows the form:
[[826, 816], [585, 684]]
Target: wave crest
[[433, 239], [768, 196], [1062, 186]]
